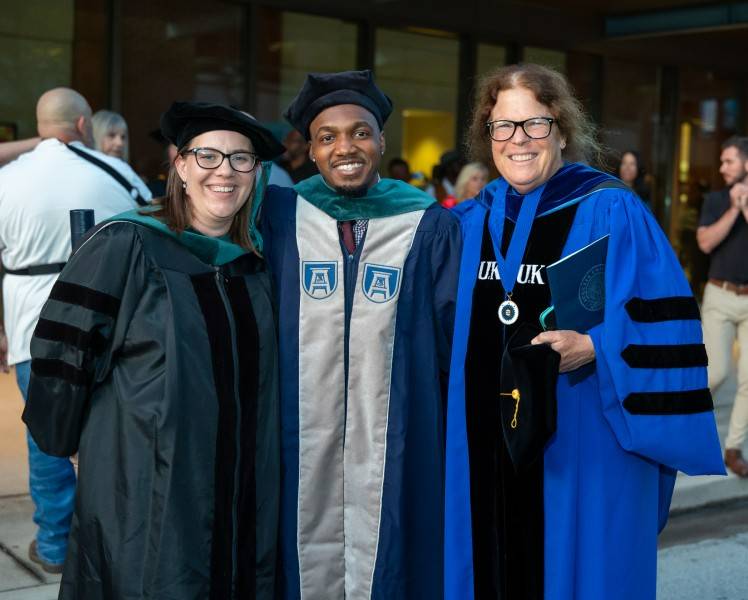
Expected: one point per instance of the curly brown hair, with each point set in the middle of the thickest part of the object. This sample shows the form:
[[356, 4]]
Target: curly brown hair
[[550, 88]]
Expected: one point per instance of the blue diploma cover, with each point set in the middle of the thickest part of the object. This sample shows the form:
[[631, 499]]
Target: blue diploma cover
[[578, 287]]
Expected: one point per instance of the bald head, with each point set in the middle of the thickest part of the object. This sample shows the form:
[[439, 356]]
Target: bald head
[[64, 114]]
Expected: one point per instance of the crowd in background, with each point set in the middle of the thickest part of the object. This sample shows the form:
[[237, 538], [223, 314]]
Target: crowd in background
[[452, 180]]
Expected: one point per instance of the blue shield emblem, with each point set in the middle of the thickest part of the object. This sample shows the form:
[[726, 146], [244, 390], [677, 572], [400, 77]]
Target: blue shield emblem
[[380, 282], [319, 279]]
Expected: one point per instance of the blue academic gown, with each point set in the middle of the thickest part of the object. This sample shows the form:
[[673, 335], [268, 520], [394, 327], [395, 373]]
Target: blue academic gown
[[409, 532], [609, 470]]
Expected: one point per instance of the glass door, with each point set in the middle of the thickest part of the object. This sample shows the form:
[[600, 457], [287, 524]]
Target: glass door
[[708, 113], [419, 72]]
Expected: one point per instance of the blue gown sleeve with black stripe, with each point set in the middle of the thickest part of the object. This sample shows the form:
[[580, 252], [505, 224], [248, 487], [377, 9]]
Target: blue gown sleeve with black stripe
[[650, 360]]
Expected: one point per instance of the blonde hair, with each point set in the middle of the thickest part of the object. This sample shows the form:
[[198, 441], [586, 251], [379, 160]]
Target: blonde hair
[[103, 122], [551, 89], [466, 173]]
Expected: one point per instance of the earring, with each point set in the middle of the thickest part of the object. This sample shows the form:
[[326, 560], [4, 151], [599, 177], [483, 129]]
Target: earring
[[184, 185], [314, 160]]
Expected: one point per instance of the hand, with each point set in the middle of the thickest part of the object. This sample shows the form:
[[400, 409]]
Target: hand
[[739, 196], [3, 352], [576, 349]]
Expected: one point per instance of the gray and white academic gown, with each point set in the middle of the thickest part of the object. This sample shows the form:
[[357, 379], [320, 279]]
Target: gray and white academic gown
[[364, 348]]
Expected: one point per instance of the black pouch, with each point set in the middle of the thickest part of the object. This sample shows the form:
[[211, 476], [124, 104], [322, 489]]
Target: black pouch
[[528, 396]]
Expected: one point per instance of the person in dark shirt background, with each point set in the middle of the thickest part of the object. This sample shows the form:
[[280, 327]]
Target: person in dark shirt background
[[631, 171], [296, 160], [723, 235], [398, 168]]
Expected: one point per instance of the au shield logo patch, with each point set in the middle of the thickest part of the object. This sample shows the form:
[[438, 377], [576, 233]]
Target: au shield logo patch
[[380, 282], [319, 279]]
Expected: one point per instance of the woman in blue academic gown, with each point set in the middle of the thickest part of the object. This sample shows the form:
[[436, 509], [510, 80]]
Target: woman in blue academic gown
[[562, 446]]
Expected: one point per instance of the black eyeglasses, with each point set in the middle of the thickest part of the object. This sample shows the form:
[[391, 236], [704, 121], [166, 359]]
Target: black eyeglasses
[[210, 158], [536, 128]]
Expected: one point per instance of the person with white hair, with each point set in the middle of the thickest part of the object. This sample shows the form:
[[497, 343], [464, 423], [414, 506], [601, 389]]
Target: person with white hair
[[111, 135]]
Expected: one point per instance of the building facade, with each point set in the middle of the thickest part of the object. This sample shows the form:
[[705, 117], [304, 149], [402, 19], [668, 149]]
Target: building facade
[[663, 77]]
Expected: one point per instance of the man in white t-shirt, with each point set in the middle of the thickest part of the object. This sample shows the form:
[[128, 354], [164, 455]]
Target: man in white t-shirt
[[37, 191]]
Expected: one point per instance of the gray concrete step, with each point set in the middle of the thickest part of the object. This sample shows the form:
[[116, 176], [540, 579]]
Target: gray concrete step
[[17, 571], [41, 592], [694, 492]]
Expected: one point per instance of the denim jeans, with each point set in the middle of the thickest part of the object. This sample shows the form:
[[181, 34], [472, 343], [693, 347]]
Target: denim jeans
[[52, 486]]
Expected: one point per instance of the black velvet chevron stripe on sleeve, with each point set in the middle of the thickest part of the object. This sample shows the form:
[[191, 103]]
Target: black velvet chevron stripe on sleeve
[[676, 356], [71, 335], [52, 367], [669, 403], [73, 293], [671, 308]]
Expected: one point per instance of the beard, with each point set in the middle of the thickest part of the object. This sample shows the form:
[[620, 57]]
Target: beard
[[352, 191]]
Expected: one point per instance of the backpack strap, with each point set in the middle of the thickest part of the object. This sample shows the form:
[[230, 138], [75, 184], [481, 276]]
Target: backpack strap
[[131, 189]]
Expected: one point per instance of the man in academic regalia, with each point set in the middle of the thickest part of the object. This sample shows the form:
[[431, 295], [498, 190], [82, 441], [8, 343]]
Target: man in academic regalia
[[365, 272]]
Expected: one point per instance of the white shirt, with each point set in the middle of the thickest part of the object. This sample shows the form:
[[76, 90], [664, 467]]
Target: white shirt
[[446, 184], [124, 169], [37, 191]]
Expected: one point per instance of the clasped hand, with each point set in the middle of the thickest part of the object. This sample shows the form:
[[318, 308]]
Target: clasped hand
[[739, 196], [576, 349]]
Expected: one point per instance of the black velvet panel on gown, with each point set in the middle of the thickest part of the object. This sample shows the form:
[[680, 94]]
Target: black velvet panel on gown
[[233, 552], [507, 508]]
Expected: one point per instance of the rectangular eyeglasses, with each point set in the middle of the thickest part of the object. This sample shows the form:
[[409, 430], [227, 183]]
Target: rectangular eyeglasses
[[210, 158], [535, 128]]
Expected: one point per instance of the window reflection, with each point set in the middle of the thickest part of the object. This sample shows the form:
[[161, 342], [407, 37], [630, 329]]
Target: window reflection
[[292, 45], [419, 73], [545, 56], [489, 57], [706, 118], [35, 55], [168, 55]]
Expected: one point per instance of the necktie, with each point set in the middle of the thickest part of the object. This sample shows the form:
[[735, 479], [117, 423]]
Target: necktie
[[346, 227]]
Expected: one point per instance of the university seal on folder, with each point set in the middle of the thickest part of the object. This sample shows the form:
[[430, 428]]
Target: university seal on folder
[[578, 287]]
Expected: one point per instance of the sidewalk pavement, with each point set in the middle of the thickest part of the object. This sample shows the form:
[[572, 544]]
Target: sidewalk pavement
[[21, 579], [696, 492]]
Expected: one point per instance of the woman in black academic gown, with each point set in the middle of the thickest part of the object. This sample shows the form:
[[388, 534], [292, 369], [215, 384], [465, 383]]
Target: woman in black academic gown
[[155, 359]]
